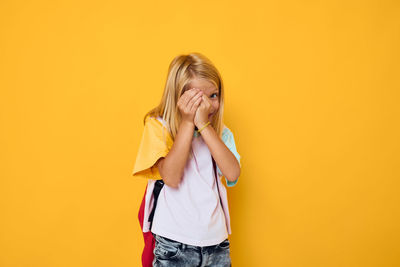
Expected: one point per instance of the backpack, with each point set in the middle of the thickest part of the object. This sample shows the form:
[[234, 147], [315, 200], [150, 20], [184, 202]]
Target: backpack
[[149, 240]]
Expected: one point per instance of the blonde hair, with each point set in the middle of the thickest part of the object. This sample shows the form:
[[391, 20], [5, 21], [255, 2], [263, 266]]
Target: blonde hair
[[181, 71]]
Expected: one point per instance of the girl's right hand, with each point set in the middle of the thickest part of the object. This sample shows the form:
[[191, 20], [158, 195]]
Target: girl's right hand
[[188, 104]]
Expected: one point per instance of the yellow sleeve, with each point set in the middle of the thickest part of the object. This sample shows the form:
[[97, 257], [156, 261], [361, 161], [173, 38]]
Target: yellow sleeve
[[156, 143]]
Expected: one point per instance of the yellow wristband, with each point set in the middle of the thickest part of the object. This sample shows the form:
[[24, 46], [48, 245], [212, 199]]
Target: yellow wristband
[[203, 127]]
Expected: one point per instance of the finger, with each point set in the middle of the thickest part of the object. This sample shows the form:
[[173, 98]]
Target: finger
[[187, 95], [196, 94], [207, 101], [184, 98], [196, 104], [194, 99], [200, 104], [192, 93]]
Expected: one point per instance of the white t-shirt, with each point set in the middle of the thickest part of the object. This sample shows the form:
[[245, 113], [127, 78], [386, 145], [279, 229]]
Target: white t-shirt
[[192, 213]]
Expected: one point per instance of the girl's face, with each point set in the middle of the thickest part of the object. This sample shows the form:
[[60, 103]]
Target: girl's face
[[209, 90]]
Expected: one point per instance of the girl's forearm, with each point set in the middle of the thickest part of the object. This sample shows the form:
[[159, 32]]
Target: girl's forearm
[[224, 158], [172, 166]]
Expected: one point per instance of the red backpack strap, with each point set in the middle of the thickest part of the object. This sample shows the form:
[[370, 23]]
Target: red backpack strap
[[149, 240]]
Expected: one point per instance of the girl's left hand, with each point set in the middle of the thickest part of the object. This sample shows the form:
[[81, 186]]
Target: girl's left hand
[[201, 116]]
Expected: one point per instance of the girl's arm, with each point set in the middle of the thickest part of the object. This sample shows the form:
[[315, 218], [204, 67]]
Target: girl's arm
[[224, 158], [172, 166]]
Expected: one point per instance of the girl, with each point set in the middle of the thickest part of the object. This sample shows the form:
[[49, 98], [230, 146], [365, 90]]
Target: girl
[[186, 148]]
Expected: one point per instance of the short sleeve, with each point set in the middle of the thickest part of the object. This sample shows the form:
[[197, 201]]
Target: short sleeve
[[155, 143], [229, 141]]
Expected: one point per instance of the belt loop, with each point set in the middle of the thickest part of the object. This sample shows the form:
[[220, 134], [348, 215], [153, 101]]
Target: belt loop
[[183, 246]]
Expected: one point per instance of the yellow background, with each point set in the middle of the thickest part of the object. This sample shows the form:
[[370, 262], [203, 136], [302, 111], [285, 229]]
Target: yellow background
[[312, 97]]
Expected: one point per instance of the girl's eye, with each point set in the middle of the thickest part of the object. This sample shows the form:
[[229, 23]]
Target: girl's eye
[[216, 95]]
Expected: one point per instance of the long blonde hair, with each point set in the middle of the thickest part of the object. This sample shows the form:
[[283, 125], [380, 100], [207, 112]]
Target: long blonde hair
[[181, 71]]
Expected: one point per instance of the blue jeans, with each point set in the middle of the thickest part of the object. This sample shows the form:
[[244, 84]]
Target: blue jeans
[[168, 252]]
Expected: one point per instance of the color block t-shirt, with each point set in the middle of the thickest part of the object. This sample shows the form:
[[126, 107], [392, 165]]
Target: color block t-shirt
[[192, 213]]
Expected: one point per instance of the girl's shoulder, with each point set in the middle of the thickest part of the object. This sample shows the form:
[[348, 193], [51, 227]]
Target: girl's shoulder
[[156, 129], [227, 137], [157, 120], [226, 132]]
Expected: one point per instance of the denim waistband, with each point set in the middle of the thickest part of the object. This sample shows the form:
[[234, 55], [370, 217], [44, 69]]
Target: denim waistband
[[184, 246]]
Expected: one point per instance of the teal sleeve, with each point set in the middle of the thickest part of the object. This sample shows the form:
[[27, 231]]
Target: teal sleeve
[[229, 141]]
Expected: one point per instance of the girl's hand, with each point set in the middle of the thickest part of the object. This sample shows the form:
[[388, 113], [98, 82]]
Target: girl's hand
[[201, 116], [188, 103]]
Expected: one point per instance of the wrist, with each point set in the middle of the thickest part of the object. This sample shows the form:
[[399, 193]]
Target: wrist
[[188, 124], [203, 126]]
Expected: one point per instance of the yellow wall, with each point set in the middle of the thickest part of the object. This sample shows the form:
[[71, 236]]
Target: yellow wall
[[312, 97]]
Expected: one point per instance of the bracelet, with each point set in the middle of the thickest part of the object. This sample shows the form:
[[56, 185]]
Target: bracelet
[[203, 127]]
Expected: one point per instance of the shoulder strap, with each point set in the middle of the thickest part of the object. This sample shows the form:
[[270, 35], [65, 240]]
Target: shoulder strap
[[216, 178], [156, 191]]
